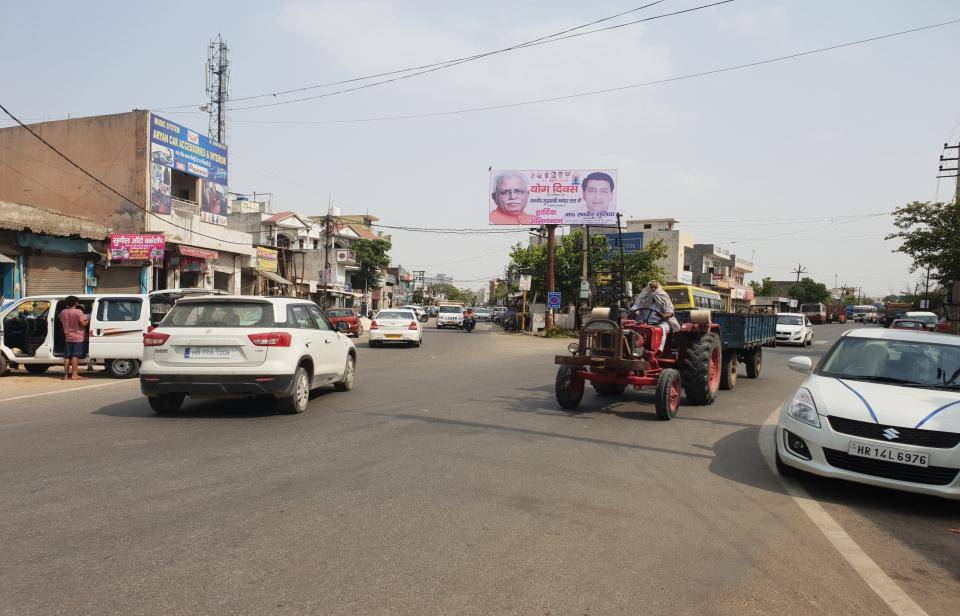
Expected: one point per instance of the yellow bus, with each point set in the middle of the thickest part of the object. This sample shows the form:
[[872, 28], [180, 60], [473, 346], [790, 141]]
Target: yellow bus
[[689, 297]]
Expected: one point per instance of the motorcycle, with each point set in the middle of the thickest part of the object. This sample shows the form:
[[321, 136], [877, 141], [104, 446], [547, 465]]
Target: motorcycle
[[469, 323]]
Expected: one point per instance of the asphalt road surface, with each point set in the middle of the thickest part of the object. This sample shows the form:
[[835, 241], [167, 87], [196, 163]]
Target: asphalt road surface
[[447, 482]]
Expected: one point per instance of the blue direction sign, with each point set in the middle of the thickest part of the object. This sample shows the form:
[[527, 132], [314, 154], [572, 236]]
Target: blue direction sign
[[553, 299]]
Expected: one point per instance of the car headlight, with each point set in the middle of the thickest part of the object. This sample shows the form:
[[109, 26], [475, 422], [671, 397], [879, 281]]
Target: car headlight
[[803, 408], [573, 347]]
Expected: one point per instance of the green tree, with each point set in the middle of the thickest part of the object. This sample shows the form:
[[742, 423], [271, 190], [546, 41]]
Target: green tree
[[931, 237], [809, 291], [765, 288], [372, 258]]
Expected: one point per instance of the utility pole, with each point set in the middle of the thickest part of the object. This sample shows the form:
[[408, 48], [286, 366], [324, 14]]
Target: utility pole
[[584, 277], [800, 270], [327, 242], [548, 320], [218, 88]]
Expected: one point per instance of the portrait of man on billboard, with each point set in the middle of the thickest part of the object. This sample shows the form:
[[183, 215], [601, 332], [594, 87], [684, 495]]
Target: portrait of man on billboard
[[598, 190], [510, 194]]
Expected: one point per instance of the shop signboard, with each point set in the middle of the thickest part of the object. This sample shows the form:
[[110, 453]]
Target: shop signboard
[[632, 242], [553, 197], [137, 247], [173, 146], [266, 259]]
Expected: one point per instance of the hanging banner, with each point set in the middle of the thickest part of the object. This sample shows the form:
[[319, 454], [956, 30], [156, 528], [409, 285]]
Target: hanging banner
[[159, 189], [266, 259], [136, 247], [554, 197], [213, 205]]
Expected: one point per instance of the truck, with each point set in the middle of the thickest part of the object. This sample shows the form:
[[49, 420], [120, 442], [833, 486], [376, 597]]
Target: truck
[[816, 312], [836, 313], [895, 310]]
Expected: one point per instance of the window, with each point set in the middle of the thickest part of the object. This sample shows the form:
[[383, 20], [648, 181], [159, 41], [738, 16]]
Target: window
[[322, 321], [299, 318], [183, 186], [119, 310], [219, 314], [648, 226]]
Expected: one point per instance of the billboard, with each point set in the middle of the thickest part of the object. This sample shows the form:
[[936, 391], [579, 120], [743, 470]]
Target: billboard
[[266, 259], [553, 197], [173, 146], [136, 247], [632, 242]]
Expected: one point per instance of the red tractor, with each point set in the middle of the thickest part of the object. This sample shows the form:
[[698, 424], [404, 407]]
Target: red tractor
[[613, 353]]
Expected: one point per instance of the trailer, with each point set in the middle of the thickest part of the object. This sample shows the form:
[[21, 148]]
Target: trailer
[[742, 338]]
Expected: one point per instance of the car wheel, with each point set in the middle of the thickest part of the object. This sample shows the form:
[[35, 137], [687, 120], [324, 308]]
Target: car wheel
[[123, 368], [810, 341], [3, 365], [298, 400], [374, 344], [166, 404], [346, 384]]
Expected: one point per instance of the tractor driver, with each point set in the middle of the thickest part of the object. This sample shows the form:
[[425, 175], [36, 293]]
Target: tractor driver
[[653, 306]]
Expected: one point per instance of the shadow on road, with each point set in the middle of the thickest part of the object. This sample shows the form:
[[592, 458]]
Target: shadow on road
[[243, 408]]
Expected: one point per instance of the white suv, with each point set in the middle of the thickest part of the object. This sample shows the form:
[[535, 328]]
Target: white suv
[[449, 316], [244, 346]]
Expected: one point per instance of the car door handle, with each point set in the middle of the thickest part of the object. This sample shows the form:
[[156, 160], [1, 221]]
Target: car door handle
[[307, 343], [327, 340]]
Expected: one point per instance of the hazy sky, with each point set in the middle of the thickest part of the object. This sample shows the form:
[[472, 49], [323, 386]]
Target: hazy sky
[[852, 131]]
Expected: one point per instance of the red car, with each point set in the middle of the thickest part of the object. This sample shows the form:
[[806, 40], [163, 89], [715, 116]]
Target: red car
[[919, 326], [348, 316]]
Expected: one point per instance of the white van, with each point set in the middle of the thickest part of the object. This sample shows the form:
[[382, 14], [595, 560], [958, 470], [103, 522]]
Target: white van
[[31, 334]]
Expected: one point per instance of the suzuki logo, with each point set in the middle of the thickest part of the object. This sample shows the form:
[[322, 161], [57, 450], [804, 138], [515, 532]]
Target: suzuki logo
[[890, 434]]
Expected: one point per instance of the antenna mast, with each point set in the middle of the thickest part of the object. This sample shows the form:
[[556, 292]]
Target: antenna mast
[[218, 88]]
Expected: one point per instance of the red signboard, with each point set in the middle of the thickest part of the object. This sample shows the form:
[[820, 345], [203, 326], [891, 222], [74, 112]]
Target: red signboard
[[200, 253], [136, 247]]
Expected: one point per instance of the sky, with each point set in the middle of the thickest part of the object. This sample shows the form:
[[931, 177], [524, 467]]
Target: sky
[[849, 132]]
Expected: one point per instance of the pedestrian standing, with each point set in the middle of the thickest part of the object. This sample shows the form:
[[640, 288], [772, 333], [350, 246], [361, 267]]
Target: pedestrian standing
[[74, 323]]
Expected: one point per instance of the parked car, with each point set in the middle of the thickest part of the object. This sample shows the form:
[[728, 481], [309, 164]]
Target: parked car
[[794, 328], [928, 318], [483, 314], [419, 311], [449, 316], [31, 334], [396, 325], [244, 346], [349, 317], [880, 408], [911, 324]]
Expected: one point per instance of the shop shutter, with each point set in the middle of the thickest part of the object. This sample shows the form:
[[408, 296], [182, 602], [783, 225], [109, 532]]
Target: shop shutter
[[53, 274], [118, 280]]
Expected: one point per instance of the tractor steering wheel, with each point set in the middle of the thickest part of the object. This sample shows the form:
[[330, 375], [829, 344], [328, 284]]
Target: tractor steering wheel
[[653, 315]]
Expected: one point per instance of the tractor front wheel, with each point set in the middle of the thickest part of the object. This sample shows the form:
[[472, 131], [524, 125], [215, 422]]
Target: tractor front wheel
[[701, 370], [728, 373], [668, 394], [569, 387]]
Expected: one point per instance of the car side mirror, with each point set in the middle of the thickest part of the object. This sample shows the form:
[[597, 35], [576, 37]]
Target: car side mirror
[[342, 326], [800, 364]]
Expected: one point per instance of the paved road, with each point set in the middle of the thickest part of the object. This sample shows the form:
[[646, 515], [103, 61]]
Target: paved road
[[447, 482]]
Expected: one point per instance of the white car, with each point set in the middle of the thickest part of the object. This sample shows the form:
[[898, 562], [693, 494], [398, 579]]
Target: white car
[[449, 316], [882, 408], [483, 314], [244, 346], [395, 325], [794, 328], [928, 318], [420, 312]]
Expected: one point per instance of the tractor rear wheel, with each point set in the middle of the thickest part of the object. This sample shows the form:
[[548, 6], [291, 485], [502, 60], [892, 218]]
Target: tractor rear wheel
[[608, 389], [667, 400], [569, 387], [754, 362], [728, 372], [701, 370]]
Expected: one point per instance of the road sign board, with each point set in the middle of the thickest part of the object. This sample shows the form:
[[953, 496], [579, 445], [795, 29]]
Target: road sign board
[[553, 299]]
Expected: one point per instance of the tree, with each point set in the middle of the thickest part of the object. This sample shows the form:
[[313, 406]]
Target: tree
[[809, 291], [372, 258], [931, 237], [765, 288]]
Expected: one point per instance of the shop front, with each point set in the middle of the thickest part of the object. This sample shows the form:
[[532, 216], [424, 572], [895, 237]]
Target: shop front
[[186, 267], [56, 265]]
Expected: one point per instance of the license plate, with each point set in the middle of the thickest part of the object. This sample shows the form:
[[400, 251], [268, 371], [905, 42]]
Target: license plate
[[393, 336], [207, 353], [888, 454]]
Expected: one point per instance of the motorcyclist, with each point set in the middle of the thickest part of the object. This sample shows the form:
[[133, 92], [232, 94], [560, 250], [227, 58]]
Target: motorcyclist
[[469, 320], [653, 306]]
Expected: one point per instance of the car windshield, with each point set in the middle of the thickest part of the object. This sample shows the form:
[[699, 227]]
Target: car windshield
[[929, 319], [909, 325], [451, 309], [909, 362], [394, 314], [811, 308], [219, 314], [784, 319], [340, 313]]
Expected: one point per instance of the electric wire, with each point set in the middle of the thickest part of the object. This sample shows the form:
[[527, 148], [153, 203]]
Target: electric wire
[[564, 97]]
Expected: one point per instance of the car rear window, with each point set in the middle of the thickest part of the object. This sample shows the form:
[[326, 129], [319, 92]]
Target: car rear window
[[339, 313], [394, 314], [220, 314], [453, 309]]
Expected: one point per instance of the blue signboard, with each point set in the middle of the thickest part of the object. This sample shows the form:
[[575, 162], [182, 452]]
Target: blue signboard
[[172, 145], [632, 242], [553, 299]]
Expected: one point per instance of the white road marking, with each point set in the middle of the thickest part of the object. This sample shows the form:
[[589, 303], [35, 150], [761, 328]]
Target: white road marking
[[899, 602], [63, 391]]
